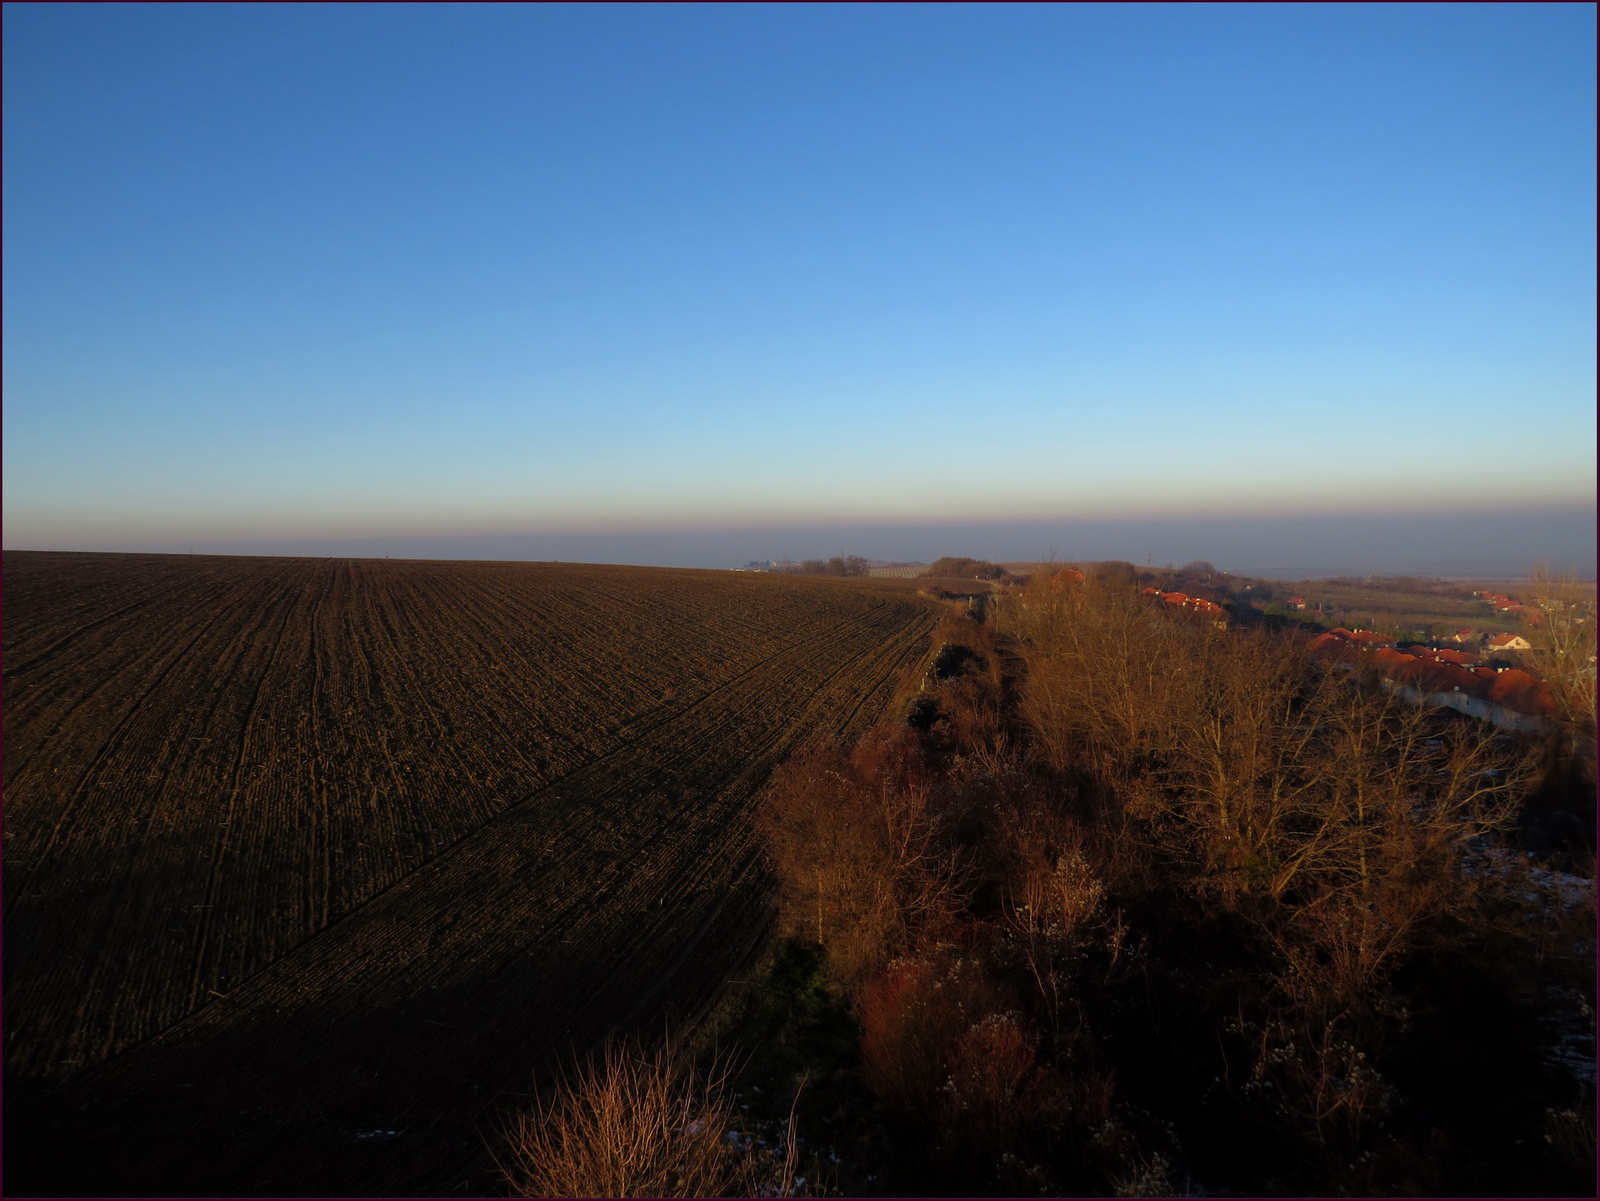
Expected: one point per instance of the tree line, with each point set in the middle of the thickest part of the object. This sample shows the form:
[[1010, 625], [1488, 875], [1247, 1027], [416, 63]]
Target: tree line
[[839, 565], [1135, 905]]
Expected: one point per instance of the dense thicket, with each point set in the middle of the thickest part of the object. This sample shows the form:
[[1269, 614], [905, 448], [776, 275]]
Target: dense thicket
[[956, 565], [1134, 904]]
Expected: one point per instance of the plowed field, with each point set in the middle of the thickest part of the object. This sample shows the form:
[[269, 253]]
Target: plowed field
[[308, 863]]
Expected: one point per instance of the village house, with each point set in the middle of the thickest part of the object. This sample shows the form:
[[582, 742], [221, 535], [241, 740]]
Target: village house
[[1498, 692], [1368, 640], [1194, 604], [1509, 642]]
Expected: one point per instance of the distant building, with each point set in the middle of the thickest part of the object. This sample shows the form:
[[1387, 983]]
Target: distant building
[[1509, 642], [1297, 602], [1367, 640], [1194, 604]]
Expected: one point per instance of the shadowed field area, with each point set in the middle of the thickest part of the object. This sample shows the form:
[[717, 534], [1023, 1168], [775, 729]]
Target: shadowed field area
[[310, 862]]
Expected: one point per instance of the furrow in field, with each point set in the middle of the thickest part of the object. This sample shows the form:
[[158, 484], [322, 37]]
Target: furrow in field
[[547, 925], [59, 725], [386, 830], [120, 867]]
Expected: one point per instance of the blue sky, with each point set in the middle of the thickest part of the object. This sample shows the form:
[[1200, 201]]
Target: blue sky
[[370, 272]]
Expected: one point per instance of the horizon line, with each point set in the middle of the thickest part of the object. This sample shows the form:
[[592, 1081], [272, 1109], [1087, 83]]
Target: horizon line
[[846, 520]]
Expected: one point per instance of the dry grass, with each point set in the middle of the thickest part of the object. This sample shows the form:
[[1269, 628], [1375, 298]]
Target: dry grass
[[636, 1123]]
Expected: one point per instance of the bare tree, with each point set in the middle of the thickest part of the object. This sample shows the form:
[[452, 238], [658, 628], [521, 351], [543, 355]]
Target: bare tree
[[1563, 636]]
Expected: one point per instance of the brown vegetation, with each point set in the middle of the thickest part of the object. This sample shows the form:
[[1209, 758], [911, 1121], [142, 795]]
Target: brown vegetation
[[959, 567], [636, 1123], [1563, 654], [1123, 869]]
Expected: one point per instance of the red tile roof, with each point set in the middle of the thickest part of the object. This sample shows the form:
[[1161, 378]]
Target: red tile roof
[[1518, 690], [1501, 641], [1428, 675], [1386, 657], [1331, 648]]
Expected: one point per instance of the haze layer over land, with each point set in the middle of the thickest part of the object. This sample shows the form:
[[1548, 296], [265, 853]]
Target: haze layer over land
[[1475, 544]]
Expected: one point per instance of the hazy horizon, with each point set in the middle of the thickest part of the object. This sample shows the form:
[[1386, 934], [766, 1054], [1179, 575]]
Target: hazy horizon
[[623, 281], [1487, 545]]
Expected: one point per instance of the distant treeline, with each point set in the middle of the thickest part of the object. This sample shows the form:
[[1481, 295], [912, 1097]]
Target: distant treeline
[[841, 565], [1401, 583], [954, 565]]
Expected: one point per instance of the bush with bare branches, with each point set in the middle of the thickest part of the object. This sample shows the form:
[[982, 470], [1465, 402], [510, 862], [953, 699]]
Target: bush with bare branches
[[863, 855], [632, 1122]]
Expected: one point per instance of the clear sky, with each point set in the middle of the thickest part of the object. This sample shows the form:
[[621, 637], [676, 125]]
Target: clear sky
[[410, 272]]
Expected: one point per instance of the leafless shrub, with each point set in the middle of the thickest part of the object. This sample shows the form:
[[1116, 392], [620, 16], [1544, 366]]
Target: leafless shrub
[[1052, 901], [860, 846], [1570, 1134], [1563, 636], [1103, 671], [636, 1123], [1335, 952], [1317, 1078], [1147, 1176], [628, 1123], [999, 1092], [977, 724], [941, 1041], [913, 1016]]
